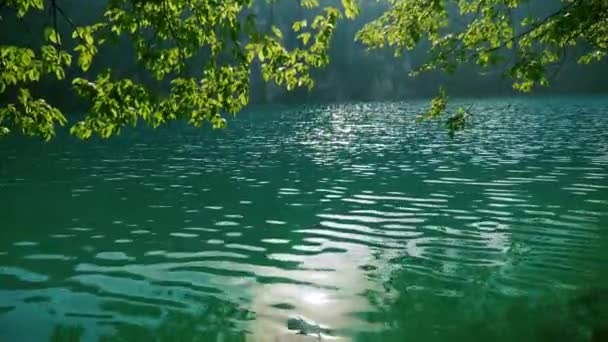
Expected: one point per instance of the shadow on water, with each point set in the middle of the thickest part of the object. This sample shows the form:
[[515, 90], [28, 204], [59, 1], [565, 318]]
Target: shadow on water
[[221, 322], [426, 317], [422, 316]]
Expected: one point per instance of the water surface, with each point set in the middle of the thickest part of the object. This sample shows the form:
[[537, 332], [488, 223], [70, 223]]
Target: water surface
[[350, 218]]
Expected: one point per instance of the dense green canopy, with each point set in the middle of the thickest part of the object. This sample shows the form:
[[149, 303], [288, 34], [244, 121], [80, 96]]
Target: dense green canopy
[[202, 53], [492, 34]]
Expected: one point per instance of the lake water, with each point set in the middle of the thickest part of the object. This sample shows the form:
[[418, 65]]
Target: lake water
[[342, 222]]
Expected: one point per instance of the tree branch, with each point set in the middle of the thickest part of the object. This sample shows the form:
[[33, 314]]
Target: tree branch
[[69, 21], [55, 28], [173, 34], [516, 38]]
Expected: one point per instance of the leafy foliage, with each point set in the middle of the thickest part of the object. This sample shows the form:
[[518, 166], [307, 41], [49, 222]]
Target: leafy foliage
[[202, 52], [169, 37], [491, 34]]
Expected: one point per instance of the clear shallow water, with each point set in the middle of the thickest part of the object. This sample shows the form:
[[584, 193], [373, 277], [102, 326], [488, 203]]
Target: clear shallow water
[[347, 216]]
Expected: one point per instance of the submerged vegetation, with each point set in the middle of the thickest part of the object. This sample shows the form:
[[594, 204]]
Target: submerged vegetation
[[197, 59]]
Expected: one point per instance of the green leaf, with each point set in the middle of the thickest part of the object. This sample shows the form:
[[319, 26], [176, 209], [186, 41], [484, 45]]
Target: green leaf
[[299, 25], [351, 8], [277, 32], [51, 35], [305, 37]]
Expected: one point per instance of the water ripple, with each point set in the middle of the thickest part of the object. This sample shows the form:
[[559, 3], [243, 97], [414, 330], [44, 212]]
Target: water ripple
[[346, 217]]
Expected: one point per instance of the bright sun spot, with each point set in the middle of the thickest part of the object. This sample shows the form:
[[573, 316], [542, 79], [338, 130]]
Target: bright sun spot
[[316, 298]]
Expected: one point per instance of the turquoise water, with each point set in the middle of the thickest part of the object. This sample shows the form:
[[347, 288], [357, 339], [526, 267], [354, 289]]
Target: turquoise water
[[342, 222]]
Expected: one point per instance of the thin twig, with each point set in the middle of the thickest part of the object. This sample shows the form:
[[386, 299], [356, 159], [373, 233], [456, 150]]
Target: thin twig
[[82, 40], [173, 34], [65, 16], [56, 31], [519, 36]]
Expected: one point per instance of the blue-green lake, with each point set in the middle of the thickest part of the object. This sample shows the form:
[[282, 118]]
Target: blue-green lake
[[347, 222]]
